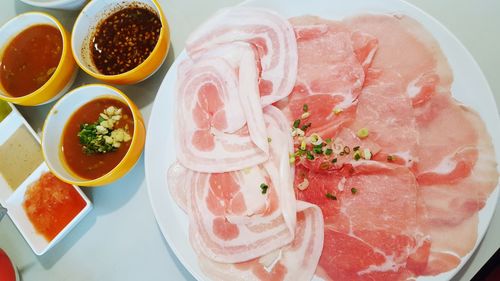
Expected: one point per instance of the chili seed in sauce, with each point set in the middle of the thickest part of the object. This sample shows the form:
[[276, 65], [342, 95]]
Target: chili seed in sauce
[[124, 40]]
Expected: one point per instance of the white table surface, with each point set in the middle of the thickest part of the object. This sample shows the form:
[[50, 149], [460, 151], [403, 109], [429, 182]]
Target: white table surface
[[119, 239]]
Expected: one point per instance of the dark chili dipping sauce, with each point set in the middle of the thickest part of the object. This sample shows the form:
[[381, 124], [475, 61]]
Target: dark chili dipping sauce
[[124, 40]]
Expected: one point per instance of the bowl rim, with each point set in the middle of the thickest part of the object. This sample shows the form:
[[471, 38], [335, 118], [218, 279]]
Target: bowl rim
[[58, 70], [165, 29], [53, 3], [97, 181]]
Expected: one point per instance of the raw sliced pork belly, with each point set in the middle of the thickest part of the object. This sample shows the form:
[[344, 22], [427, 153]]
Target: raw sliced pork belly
[[231, 218], [272, 36], [296, 261], [457, 173], [409, 50], [219, 122], [370, 212], [332, 61]]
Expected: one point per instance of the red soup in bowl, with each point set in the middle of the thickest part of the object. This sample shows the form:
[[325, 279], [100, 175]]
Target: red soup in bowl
[[97, 137]]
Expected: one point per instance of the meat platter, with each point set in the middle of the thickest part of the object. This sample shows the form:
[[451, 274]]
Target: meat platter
[[327, 141]]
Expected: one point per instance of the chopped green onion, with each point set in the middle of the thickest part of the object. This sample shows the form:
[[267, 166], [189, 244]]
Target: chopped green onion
[[328, 141], [318, 150], [354, 190], [331, 196], [305, 107], [306, 126], [309, 155], [269, 139], [264, 188], [337, 110], [292, 158], [334, 160], [296, 123], [390, 158], [367, 154], [328, 151], [305, 115], [357, 156], [303, 145], [356, 148], [362, 133]]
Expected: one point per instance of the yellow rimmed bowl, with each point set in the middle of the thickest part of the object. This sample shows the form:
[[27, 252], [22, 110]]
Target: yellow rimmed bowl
[[84, 29], [65, 73], [56, 121]]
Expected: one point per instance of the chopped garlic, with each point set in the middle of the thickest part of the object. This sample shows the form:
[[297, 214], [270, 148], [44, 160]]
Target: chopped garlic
[[303, 185], [101, 130], [337, 110], [108, 139]]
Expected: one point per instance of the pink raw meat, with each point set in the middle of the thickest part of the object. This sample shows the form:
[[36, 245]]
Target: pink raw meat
[[330, 75], [371, 231], [231, 219], [219, 122], [268, 32], [386, 111], [296, 261], [457, 173], [409, 50]]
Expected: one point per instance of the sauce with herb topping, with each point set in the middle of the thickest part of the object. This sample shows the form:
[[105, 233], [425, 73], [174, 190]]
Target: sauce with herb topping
[[94, 165], [51, 204], [30, 59], [124, 40]]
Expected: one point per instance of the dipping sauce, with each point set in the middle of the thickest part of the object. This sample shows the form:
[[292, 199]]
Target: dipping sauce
[[94, 164], [30, 59], [124, 40], [51, 204], [20, 155]]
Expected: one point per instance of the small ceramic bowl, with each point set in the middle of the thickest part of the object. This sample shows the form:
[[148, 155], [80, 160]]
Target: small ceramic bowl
[[57, 4], [83, 32], [61, 113], [65, 72]]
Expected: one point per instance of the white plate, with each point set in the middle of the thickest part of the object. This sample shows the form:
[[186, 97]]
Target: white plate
[[469, 87]]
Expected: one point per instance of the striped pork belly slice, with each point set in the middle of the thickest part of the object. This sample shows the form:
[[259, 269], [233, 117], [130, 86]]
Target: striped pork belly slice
[[457, 173], [296, 261], [371, 231], [219, 121], [231, 218], [272, 36], [332, 60], [408, 49]]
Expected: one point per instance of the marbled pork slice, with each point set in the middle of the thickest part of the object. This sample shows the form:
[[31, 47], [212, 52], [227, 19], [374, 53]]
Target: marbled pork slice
[[296, 261], [271, 34]]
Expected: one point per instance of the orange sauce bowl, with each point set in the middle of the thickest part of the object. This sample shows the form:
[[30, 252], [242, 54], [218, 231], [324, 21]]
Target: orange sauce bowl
[[55, 124], [84, 29], [64, 75]]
